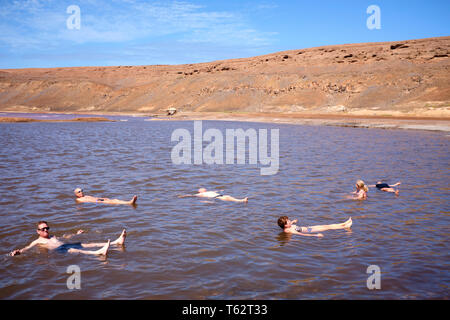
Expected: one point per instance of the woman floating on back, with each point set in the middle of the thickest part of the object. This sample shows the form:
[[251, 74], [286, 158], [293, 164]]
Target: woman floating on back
[[289, 226], [385, 187]]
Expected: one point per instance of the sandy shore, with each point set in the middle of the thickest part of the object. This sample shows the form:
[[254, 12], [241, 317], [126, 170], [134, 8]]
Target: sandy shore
[[390, 85], [380, 122], [340, 120], [86, 119], [399, 78]]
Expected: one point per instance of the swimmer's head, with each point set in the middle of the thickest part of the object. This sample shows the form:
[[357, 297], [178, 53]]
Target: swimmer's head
[[78, 192], [42, 229], [201, 190], [361, 185], [283, 221]]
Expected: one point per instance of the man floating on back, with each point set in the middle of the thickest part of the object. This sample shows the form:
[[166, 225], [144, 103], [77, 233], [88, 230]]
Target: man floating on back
[[82, 198]]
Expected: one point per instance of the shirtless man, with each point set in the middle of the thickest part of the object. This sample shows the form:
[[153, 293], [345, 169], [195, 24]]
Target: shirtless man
[[51, 242], [385, 187], [289, 226], [82, 198], [203, 193]]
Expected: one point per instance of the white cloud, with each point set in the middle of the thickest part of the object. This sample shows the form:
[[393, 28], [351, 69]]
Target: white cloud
[[33, 22], [266, 6], [33, 33]]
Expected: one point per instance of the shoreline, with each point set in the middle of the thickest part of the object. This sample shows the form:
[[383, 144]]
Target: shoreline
[[31, 120], [339, 120], [354, 121]]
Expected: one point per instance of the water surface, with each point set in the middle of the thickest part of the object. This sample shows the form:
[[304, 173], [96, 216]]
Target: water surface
[[188, 249]]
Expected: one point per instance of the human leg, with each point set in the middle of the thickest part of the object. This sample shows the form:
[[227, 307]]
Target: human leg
[[101, 251], [117, 201], [388, 190], [230, 198], [319, 228], [119, 241]]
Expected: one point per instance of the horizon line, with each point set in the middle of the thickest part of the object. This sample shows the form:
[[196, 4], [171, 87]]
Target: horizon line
[[231, 59]]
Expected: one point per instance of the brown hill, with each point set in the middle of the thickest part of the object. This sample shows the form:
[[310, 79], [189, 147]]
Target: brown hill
[[392, 78]]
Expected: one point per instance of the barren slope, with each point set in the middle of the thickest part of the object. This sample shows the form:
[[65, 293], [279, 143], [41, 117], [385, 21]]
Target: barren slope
[[396, 78]]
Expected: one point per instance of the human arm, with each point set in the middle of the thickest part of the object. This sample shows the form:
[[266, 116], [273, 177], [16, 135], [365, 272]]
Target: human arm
[[319, 235], [19, 251], [294, 231], [68, 236]]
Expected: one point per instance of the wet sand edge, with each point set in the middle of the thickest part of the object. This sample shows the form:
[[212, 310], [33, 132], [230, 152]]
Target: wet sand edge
[[340, 120], [379, 122]]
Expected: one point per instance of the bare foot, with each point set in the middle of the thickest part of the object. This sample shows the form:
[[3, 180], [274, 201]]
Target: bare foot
[[348, 223], [103, 251], [397, 192], [121, 239], [245, 200], [133, 201]]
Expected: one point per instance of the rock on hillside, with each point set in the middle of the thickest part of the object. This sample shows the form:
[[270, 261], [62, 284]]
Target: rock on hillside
[[388, 78]]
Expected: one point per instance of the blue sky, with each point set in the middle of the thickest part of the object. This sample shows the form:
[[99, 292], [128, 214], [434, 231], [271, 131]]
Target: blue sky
[[34, 33]]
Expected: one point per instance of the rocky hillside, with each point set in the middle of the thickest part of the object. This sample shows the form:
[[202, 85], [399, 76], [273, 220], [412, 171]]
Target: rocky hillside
[[406, 77]]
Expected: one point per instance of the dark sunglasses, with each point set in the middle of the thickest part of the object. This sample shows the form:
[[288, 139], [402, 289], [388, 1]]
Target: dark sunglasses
[[44, 229]]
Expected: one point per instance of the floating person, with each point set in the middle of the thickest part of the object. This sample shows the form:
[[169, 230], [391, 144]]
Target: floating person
[[385, 187], [51, 242], [361, 191], [203, 193], [82, 198], [289, 226]]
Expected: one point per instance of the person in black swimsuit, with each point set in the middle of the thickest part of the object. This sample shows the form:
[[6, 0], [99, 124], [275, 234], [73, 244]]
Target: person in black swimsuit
[[385, 187]]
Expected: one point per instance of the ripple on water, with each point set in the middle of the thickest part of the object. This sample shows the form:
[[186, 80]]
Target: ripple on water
[[183, 248]]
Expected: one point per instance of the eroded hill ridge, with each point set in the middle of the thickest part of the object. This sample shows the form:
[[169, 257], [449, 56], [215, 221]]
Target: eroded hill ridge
[[391, 78]]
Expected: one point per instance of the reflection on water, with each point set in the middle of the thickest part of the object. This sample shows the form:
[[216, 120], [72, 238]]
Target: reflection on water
[[183, 248]]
